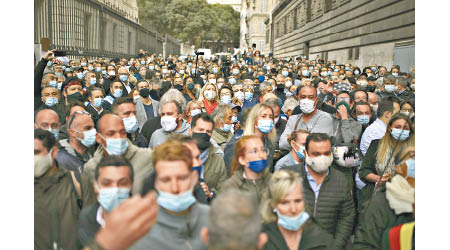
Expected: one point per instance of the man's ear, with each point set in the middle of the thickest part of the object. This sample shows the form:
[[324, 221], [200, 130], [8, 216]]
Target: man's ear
[[205, 235], [262, 240], [99, 139]]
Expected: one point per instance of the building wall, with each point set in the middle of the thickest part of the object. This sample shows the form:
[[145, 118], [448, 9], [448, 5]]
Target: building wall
[[339, 29]]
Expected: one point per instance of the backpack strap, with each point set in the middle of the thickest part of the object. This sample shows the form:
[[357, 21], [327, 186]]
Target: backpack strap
[[76, 185], [298, 121]]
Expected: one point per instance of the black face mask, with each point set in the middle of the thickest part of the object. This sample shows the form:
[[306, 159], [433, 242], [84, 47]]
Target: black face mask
[[202, 140], [371, 88], [178, 87], [144, 92], [75, 97]]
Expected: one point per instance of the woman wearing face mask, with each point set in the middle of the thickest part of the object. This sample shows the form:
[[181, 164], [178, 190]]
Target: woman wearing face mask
[[388, 221], [297, 140], [407, 108], [249, 167], [193, 108], [189, 89], [286, 222], [377, 166], [222, 117], [209, 97], [250, 99], [260, 122]]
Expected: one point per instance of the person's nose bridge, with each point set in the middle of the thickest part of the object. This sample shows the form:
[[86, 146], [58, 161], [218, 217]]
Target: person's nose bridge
[[174, 186]]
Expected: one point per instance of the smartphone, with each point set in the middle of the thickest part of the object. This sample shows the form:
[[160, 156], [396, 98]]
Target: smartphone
[[58, 53]]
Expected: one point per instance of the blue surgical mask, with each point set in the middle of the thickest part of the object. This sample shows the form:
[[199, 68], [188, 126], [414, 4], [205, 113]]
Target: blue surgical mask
[[83, 64], [248, 96], [98, 69], [257, 166], [59, 74], [411, 171], [176, 202], [151, 67], [265, 126], [300, 153], [226, 99], [115, 146], [98, 102], [131, 124], [285, 73], [90, 68], [103, 72], [363, 119], [232, 81], [55, 132], [53, 83], [347, 68], [117, 93], [80, 75], [305, 72], [373, 69], [182, 72], [49, 63], [395, 74], [214, 70], [389, 88], [190, 64], [142, 62], [123, 78], [51, 101], [399, 134], [261, 78], [93, 81], [234, 119], [226, 128], [292, 223], [89, 137], [235, 72], [110, 198]]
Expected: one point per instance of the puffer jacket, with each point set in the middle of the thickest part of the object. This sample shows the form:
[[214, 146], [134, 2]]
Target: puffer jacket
[[140, 158], [255, 187], [215, 173], [334, 207]]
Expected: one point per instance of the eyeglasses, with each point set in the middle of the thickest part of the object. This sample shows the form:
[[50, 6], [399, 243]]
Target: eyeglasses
[[255, 151], [346, 99], [54, 126], [82, 112]]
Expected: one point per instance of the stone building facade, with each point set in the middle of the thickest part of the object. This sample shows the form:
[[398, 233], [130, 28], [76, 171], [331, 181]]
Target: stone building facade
[[361, 32]]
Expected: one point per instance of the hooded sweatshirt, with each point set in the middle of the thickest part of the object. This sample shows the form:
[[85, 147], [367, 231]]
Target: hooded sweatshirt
[[160, 136]]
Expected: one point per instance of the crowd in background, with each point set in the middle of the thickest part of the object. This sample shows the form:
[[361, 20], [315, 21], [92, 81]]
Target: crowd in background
[[243, 152]]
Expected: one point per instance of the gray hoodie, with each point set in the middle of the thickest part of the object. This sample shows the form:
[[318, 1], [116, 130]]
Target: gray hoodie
[[160, 136], [176, 232]]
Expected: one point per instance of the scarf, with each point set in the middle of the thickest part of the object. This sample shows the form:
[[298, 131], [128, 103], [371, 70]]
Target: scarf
[[208, 108], [400, 195]]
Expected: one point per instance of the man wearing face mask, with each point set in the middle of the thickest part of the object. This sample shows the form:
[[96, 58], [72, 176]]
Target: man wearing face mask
[[50, 97], [73, 92], [296, 155], [222, 117], [113, 183], [116, 91], [180, 216], [389, 87], [47, 119], [373, 102], [311, 119], [213, 171], [171, 113], [279, 123], [112, 137], [327, 192], [125, 108], [402, 89], [123, 77], [386, 109], [78, 148], [59, 197]]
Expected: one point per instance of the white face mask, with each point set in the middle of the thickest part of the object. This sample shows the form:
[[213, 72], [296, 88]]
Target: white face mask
[[42, 163], [209, 94], [168, 123], [307, 106], [212, 81], [362, 83], [319, 164], [288, 84]]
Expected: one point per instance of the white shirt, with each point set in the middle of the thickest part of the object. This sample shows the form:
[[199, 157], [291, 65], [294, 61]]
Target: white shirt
[[375, 131], [99, 218], [128, 87]]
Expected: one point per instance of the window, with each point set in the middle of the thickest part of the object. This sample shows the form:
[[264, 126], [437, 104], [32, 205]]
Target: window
[[261, 46], [114, 37], [350, 54], [356, 53]]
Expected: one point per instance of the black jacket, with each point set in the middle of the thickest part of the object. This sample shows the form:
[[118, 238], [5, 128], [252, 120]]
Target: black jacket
[[38, 72], [94, 114], [313, 237], [334, 208], [150, 126], [88, 225]]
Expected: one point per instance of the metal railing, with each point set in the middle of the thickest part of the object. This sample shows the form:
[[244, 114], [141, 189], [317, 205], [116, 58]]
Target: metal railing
[[91, 29]]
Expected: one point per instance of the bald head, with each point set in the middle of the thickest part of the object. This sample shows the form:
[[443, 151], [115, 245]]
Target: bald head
[[46, 118], [373, 98], [107, 121]]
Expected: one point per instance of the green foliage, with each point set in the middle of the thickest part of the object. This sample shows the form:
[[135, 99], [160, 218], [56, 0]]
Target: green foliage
[[191, 21]]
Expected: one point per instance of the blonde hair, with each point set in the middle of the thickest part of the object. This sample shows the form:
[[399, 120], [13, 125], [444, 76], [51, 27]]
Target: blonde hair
[[251, 121], [389, 142], [201, 97], [281, 184], [187, 111]]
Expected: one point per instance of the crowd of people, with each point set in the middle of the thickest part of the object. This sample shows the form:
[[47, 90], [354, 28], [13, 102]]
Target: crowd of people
[[241, 152]]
